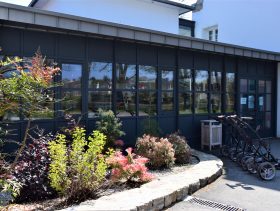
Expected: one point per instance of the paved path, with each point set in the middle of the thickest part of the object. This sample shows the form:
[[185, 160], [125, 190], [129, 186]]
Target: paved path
[[240, 189]]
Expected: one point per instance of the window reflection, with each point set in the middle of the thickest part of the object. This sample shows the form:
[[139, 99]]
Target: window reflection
[[100, 75], [261, 86], [201, 103], [243, 85], [71, 75], [147, 103], [252, 85], [215, 103], [125, 103], [268, 120], [230, 82], [125, 76], [185, 79], [268, 102], [201, 80], [230, 99], [216, 81], [185, 103], [99, 99], [167, 101], [268, 86], [71, 102], [147, 77], [167, 82]]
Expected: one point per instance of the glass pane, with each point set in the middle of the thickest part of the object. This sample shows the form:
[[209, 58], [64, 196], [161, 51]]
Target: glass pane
[[125, 103], [201, 80], [251, 102], [215, 103], [216, 81], [268, 102], [243, 103], [268, 120], [99, 99], [230, 100], [71, 75], [45, 109], [185, 103], [201, 103], [147, 103], [167, 101], [243, 85], [126, 76], [147, 77], [261, 103], [252, 85], [167, 81], [185, 79], [261, 86], [230, 82], [268, 86], [100, 75], [71, 102], [11, 116]]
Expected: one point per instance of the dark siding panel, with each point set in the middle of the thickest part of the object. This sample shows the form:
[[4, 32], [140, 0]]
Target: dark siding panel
[[167, 57], [186, 126], [261, 68], [101, 50], [185, 59], [34, 40], [230, 64], [216, 63], [167, 125], [270, 68], [129, 127], [125, 53], [201, 61], [252, 67], [11, 41], [72, 47], [147, 55], [242, 67]]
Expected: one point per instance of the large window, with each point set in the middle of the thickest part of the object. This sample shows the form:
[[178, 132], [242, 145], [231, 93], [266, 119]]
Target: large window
[[185, 91], [215, 95], [100, 87], [167, 87], [71, 89], [201, 91], [147, 87], [230, 93], [126, 90]]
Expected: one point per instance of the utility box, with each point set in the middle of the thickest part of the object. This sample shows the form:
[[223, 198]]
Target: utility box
[[211, 133]]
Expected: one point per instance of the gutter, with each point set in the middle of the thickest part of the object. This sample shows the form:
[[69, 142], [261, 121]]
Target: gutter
[[32, 3]]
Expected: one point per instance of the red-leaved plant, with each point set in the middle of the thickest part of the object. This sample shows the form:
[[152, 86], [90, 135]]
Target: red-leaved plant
[[130, 168]]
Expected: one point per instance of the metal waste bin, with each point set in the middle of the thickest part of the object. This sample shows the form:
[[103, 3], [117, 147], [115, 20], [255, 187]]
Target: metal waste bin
[[211, 133]]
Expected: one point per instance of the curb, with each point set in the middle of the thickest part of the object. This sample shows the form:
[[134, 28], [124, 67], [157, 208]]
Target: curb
[[162, 192]]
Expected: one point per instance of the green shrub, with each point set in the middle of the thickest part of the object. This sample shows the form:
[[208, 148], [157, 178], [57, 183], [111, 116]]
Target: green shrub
[[159, 151], [77, 173], [181, 147], [110, 126]]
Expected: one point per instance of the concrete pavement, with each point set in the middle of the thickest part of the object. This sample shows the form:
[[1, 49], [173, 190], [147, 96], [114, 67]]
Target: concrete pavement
[[240, 189]]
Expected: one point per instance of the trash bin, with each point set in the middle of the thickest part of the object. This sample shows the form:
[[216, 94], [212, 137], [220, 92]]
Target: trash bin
[[211, 133]]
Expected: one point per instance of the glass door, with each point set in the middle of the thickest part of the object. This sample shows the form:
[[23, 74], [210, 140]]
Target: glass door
[[255, 101], [167, 104]]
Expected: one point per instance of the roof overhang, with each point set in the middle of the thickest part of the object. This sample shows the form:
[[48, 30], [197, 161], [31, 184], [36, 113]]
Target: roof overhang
[[35, 19], [183, 8]]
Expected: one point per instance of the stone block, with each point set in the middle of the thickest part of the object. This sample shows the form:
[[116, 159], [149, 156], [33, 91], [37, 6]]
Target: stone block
[[194, 187], [169, 199], [158, 204]]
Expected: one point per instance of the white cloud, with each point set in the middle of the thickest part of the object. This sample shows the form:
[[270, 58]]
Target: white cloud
[[19, 2]]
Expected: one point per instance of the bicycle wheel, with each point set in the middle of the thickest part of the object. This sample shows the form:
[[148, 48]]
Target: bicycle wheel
[[251, 166], [266, 171], [243, 162]]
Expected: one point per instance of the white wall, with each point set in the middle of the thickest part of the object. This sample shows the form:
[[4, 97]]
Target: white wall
[[252, 23], [140, 13]]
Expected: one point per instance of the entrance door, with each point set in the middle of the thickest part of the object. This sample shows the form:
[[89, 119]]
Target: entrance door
[[255, 101]]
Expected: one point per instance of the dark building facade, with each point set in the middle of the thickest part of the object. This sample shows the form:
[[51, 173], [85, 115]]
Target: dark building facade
[[174, 83]]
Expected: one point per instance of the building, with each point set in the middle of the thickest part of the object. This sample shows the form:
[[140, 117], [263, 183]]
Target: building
[[240, 22], [140, 73]]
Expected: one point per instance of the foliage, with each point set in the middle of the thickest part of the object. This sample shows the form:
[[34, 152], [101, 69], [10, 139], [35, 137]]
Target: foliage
[[159, 151], [129, 168], [25, 89], [151, 126], [9, 190], [79, 171], [110, 126], [181, 147], [32, 169]]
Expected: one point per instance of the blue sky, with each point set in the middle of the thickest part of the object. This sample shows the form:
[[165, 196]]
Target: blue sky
[[19, 2]]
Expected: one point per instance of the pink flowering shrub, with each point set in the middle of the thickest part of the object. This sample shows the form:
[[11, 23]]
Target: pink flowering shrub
[[159, 151], [129, 168]]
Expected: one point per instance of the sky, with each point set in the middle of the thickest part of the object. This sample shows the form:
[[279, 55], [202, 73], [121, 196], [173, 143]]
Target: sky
[[19, 2]]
